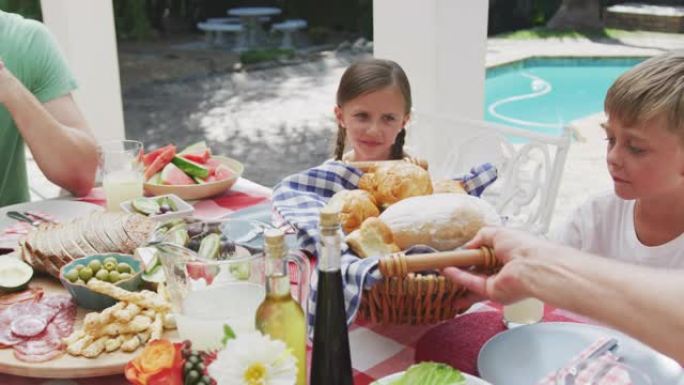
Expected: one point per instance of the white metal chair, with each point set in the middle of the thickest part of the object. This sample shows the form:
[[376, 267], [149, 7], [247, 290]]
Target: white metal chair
[[530, 164]]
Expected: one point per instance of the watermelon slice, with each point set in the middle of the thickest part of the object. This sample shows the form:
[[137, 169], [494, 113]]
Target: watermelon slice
[[173, 175], [212, 164], [160, 162], [195, 148], [155, 179], [198, 157], [152, 155], [222, 172]]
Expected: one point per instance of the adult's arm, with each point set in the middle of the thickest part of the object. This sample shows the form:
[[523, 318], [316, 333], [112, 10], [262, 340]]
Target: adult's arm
[[56, 132], [642, 302]]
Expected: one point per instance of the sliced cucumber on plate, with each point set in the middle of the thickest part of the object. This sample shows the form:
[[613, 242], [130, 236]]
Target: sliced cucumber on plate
[[14, 274]]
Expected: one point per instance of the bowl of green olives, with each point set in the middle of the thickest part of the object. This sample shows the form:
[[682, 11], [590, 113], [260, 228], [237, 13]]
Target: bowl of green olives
[[122, 270]]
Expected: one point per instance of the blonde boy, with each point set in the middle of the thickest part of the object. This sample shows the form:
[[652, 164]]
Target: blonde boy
[[642, 220]]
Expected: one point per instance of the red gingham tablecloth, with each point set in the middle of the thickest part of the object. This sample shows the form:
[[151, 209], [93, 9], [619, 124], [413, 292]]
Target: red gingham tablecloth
[[377, 350]]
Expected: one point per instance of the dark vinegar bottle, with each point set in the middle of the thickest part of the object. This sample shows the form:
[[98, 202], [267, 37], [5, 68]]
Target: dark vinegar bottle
[[330, 359]]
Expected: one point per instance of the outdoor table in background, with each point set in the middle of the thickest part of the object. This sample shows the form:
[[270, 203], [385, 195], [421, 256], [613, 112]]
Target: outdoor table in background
[[249, 17]]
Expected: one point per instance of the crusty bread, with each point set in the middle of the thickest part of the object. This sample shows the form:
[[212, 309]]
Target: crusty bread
[[373, 238], [442, 221], [391, 183], [354, 207], [445, 186]]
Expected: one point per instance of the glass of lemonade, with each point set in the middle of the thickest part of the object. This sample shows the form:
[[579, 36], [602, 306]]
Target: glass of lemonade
[[122, 171], [525, 312], [208, 294]]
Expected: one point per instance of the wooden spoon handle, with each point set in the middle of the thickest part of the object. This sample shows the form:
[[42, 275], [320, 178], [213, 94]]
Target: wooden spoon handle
[[367, 165], [400, 264]]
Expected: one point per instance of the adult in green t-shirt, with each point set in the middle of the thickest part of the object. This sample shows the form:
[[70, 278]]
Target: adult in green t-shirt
[[36, 108]]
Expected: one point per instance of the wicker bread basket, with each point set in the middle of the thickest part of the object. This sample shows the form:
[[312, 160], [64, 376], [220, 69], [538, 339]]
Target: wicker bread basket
[[408, 296]]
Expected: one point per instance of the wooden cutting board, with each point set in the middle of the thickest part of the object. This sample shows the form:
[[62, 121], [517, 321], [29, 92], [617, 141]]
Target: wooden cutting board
[[68, 366]]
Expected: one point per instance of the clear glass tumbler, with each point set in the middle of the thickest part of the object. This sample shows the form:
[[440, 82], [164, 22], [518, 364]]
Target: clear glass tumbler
[[122, 171]]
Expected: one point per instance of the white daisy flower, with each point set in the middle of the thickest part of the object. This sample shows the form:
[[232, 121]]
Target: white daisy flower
[[254, 359]]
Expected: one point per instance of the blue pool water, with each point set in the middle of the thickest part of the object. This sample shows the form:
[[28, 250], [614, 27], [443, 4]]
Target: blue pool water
[[543, 94]]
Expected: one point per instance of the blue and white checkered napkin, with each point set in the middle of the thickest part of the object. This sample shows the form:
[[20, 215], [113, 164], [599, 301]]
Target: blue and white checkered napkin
[[299, 198]]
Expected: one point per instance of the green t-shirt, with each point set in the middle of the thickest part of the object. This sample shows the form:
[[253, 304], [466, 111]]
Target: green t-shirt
[[31, 54]]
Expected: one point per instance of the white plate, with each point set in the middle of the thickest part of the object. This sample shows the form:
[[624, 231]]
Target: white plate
[[470, 380], [524, 355], [62, 210]]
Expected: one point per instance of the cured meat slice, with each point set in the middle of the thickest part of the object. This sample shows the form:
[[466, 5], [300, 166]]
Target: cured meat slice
[[38, 357], [28, 326], [33, 295], [44, 343]]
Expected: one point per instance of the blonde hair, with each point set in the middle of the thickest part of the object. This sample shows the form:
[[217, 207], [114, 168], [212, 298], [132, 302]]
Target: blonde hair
[[652, 89], [369, 76]]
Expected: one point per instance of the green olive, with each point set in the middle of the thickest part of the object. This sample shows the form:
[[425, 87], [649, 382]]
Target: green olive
[[110, 259], [110, 265], [102, 275], [114, 276], [71, 275], [95, 265], [80, 282], [85, 273], [78, 267], [123, 267]]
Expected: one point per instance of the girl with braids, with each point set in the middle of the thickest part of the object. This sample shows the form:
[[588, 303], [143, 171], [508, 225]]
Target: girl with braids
[[373, 107]]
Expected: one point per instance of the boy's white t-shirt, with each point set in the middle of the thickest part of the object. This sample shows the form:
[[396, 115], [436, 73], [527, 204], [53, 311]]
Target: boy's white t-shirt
[[604, 226]]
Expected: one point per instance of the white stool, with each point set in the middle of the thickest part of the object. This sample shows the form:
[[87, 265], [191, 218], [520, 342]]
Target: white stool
[[287, 27], [223, 20], [215, 34]]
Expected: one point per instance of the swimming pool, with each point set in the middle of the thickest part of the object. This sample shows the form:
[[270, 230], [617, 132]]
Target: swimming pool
[[543, 94]]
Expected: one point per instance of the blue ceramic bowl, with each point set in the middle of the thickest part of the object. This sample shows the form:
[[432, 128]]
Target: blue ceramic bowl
[[89, 299]]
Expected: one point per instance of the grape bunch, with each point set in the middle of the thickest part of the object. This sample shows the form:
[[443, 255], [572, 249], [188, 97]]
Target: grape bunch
[[195, 367]]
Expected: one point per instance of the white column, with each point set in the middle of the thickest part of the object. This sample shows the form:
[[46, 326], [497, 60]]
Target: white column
[[86, 34], [441, 44]]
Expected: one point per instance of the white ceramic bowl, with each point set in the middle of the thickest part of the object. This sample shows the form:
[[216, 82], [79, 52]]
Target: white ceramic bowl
[[200, 191], [183, 208]]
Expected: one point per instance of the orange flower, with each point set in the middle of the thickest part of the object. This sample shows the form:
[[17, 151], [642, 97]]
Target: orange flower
[[160, 363]]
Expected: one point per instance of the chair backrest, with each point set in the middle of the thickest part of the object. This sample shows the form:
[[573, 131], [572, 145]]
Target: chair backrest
[[530, 164]]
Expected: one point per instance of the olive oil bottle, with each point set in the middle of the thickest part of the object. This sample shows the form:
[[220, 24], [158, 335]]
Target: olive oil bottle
[[331, 362], [280, 316]]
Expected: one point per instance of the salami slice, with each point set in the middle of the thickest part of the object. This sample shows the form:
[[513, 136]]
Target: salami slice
[[28, 326], [32, 295], [42, 344], [38, 357]]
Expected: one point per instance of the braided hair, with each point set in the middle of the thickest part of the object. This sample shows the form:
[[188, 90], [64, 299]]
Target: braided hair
[[368, 76]]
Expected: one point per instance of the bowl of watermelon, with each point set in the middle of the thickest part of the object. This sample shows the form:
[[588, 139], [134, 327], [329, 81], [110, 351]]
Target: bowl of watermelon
[[192, 173]]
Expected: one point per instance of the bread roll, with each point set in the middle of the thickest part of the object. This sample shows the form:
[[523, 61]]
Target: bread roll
[[354, 207], [442, 221], [373, 238], [446, 186], [393, 182]]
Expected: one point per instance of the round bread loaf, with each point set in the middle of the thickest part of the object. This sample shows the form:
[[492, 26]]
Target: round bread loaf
[[441, 221], [394, 182]]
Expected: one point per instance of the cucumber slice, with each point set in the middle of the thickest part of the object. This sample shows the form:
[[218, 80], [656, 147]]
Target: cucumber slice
[[210, 246], [145, 206], [155, 276], [14, 274], [189, 167]]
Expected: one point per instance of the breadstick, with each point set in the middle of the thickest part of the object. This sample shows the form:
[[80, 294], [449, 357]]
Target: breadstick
[[95, 348], [144, 336], [142, 299], [169, 321], [157, 327], [113, 343], [127, 314], [76, 348], [131, 342], [73, 337], [94, 321], [136, 325]]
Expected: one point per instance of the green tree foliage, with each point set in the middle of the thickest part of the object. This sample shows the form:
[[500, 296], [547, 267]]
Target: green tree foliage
[[131, 18], [27, 8]]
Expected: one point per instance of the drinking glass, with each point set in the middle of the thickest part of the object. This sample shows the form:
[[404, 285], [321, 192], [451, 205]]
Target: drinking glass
[[208, 294], [122, 171], [525, 312]]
